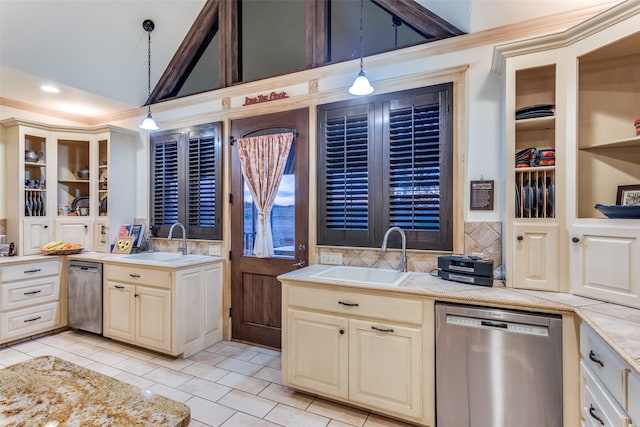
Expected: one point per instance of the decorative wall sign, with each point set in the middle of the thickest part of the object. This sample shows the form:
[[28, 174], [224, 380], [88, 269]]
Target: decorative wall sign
[[481, 195], [123, 245], [273, 96]]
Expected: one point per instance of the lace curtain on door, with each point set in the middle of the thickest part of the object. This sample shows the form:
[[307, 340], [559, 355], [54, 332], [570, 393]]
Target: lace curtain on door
[[262, 159]]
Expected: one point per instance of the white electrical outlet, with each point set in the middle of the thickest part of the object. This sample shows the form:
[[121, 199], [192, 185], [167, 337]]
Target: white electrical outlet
[[334, 258], [214, 250]]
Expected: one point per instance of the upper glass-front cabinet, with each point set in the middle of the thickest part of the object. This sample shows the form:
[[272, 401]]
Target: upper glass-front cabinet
[[73, 178]]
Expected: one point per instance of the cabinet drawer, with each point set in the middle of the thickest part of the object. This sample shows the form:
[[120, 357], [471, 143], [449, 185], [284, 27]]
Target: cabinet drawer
[[353, 303], [29, 270], [29, 292], [603, 361], [29, 321], [599, 408], [138, 275], [633, 404]]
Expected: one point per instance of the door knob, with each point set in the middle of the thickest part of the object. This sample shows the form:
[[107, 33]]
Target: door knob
[[575, 239], [520, 238], [299, 264]]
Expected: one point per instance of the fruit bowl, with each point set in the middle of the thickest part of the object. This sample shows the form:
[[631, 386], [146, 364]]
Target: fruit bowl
[[61, 248]]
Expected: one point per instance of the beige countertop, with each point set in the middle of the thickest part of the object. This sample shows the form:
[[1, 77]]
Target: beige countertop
[[50, 391], [618, 325]]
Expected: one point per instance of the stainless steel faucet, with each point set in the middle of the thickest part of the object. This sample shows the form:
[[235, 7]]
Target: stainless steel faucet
[[182, 248], [403, 256]]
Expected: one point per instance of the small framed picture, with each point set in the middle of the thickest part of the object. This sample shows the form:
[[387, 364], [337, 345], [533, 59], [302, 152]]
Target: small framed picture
[[628, 195], [123, 245]]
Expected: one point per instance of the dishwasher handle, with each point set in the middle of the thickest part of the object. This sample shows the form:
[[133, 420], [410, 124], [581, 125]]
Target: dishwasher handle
[[84, 269], [494, 324]]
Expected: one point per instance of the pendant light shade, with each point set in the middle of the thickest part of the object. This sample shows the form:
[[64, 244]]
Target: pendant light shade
[[361, 85], [148, 123]]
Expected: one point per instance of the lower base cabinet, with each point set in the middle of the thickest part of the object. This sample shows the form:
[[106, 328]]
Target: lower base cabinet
[[366, 349], [178, 312]]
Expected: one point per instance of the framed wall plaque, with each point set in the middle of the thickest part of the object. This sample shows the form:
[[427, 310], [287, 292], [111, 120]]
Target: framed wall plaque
[[481, 193]]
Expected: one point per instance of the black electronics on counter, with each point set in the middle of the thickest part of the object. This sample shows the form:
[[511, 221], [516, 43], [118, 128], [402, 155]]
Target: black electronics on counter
[[474, 271]]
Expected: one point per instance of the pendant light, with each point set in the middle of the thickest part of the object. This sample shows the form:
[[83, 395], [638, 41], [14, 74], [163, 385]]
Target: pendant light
[[148, 123], [361, 85]]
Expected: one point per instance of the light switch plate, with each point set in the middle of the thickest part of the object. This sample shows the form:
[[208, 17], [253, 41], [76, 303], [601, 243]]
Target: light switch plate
[[334, 258], [214, 250]]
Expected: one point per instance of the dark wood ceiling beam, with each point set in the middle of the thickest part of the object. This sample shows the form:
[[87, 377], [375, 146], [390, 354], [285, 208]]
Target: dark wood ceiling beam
[[420, 19], [230, 61], [317, 32], [186, 57]]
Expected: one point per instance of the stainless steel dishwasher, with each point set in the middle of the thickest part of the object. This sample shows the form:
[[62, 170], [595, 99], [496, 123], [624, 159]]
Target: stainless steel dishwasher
[[84, 290], [497, 368]]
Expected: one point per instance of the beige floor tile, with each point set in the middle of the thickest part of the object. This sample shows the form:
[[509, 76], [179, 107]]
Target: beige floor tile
[[82, 348], [136, 366], [269, 374], [243, 382], [10, 356], [293, 417], [28, 346], [338, 412], [134, 380], [335, 423], [171, 363], [205, 389], [205, 372], [240, 419], [264, 350], [58, 341], [265, 359], [207, 358], [239, 366], [247, 403], [168, 377], [287, 396], [74, 358], [375, 420], [103, 369], [139, 354], [196, 423], [208, 412], [169, 392], [107, 357]]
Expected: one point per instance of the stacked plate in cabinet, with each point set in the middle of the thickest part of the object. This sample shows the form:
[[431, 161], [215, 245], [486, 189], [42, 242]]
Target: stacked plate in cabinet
[[34, 203], [535, 111], [535, 199]]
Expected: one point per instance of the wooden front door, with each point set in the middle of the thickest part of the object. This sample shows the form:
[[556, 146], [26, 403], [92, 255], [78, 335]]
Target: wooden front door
[[256, 310]]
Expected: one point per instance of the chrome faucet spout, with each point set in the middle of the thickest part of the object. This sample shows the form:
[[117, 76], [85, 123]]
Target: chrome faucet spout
[[182, 248], [403, 256]]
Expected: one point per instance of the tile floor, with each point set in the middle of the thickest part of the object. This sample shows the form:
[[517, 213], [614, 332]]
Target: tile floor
[[229, 384]]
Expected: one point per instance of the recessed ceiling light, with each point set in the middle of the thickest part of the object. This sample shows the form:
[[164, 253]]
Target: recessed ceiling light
[[50, 89]]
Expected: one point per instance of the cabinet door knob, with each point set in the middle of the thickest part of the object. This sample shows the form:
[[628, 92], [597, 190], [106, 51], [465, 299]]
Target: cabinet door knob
[[46, 226], [520, 238], [341, 331], [575, 239]]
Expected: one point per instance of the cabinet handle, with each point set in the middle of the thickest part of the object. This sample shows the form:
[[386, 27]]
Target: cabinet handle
[[341, 331], [46, 226], [135, 295], [33, 292], [299, 264], [35, 270], [375, 328], [575, 239], [595, 359], [348, 304], [135, 276], [118, 286], [592, 412], [33, 320], [520, 238]]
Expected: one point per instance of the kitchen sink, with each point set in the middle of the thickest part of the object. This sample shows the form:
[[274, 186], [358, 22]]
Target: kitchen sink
[[373, 276], [165, 257]]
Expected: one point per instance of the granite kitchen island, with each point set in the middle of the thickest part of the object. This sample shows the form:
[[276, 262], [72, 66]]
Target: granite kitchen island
[[53, 392]]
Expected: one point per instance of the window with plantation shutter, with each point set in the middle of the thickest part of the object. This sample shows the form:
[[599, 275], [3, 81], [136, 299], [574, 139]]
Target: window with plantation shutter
[[185, 181], [398, 173]]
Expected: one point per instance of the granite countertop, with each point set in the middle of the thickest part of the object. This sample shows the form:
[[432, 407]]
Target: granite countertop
[[618, 325], [50, 391]]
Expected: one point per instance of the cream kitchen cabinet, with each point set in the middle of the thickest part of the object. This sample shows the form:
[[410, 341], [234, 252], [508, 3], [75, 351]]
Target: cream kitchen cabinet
[[59, 168], [365, 348], [608, 384], [174, 311], [30, 299], [535, 166]]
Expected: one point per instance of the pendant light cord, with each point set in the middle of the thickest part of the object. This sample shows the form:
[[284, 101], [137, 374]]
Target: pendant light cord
[[361, 35], [149, 70]]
